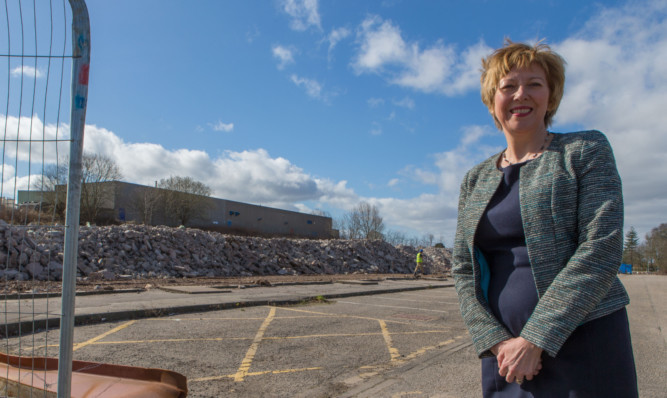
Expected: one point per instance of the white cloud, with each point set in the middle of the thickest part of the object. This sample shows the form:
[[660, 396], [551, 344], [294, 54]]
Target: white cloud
[[617, 83], [254, 176], [220, 126], [250, 176], [26, 71], [304, 14], [376, 129], [381, 43], [406, 102], [472, 134], [466, 71], [335, 37], [32, 128], [375, 102], [426, 70], [13, 181], [438, 68], [8, 186], [427, 177], [252, 34], [436, 212], [313, 87], [285, 55]]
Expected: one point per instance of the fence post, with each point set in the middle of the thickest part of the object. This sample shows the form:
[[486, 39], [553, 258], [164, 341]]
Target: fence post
[[80, 68]]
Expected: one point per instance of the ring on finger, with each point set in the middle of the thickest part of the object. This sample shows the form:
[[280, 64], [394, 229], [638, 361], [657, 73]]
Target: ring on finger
[[519, 381]]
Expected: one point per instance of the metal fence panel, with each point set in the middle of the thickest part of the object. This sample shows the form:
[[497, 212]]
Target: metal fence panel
[[45, 51]]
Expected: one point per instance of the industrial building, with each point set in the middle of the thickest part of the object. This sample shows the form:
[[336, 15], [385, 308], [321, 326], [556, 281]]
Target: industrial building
[[126, 202]]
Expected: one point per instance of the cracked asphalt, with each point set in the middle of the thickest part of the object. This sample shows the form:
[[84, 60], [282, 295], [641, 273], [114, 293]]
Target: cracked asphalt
[[391, 339]]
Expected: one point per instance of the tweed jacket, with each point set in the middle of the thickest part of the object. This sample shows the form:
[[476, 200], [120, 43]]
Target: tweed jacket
[[572, 213]]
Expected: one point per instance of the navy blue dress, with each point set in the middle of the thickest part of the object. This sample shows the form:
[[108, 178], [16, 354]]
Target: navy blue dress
[[597, 353]]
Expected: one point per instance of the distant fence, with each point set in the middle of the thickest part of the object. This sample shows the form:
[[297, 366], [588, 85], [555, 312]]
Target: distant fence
[[625, 269], [45, 51]]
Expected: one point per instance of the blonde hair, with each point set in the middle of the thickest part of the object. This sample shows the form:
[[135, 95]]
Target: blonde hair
[[520, 55]]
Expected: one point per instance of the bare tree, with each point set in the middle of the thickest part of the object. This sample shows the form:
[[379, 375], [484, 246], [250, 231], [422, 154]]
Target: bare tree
[[146, 202], [97, 169], [655, 249], [395, 237], [53, 175], [321, 213], [428, 239], [338, 224], [414, 241], [364, 222], [52, 199], [350, 228], [184, 198]]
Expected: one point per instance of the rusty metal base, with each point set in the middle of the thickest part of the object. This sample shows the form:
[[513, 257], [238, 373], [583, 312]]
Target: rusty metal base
[[27, 377]]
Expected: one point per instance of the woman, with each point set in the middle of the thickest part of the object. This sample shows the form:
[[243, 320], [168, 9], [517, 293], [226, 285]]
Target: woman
[[538, 244]]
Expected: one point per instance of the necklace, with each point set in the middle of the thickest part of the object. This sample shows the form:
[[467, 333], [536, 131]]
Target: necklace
[[546, 138]]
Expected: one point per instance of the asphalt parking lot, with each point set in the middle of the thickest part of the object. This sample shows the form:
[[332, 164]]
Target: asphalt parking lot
[[403, 344]]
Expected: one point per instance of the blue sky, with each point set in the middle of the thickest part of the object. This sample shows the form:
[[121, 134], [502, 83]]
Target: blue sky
[[317, 105]]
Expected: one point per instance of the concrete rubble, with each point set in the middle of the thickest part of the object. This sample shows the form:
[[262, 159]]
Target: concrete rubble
[[139, 251]]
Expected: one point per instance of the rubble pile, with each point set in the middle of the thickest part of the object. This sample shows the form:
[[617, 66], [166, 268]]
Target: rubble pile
[[138, 251]]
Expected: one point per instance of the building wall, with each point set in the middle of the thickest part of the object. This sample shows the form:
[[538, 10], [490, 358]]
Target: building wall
[[128, 202], [230, 215], [27, 197], [222, 215]]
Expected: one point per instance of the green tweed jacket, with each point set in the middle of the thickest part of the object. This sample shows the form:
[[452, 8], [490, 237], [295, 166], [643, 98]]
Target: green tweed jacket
[[572, 212]]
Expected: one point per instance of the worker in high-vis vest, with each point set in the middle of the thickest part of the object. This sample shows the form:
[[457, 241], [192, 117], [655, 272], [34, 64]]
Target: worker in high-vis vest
[[420, 262]]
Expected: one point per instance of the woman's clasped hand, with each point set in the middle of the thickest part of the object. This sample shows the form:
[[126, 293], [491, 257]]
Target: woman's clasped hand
[[518, 359]]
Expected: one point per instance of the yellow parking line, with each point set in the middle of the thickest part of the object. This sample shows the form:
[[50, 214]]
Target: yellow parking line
[[170, 340], [439, 345], [394, 306], [103, 335], [231, 318], [312, 336], [393, 352], [344, 316], [428, 348], [254, 374], [20, 351], [399, 361], [250, 355]]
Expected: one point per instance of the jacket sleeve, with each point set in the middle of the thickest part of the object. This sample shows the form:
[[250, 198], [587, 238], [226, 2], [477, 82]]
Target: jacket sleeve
[[483, 327], [588, 275]]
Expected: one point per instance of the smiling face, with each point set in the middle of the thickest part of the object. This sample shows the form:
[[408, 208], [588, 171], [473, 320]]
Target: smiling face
[[521, 100]]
